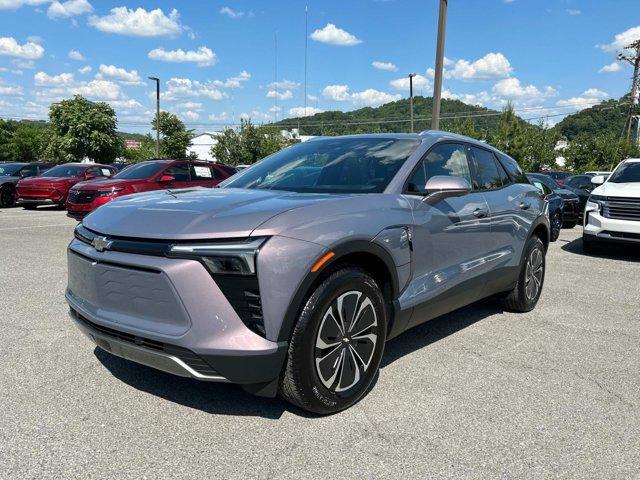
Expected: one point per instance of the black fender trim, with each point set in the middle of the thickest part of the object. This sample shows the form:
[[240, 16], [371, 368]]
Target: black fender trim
[[342, 250]]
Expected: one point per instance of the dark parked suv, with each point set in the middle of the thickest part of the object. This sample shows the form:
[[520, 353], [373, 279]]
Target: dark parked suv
[[291, 277], [11, 173]]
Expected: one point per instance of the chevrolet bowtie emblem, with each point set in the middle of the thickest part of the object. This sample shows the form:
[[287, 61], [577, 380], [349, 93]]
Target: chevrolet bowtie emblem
[[101, 243]]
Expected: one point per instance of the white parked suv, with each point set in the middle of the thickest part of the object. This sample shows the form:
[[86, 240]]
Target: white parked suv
[[612, 213]]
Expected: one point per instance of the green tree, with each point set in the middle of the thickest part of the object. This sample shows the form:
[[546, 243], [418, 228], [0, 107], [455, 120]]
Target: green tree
[[8, 151], [539, 147], [30, 143], [248, 144], [80, 128], [175, 138], [598, 152], [147, 150]]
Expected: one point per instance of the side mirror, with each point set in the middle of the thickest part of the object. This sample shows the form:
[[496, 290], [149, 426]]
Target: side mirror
[[167, 178], [444, 186], [598, 180]]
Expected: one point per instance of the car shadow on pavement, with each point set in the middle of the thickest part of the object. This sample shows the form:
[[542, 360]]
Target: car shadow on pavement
[[209, 397], [437, 329], [228, 399], [612, 251]]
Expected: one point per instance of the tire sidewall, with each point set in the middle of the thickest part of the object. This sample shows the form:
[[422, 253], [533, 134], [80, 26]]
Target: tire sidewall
[[532, 243], [317, 396]]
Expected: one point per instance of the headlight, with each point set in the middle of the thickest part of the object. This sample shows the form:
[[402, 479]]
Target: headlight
[[596, 201], [225, 258], [108, 193]]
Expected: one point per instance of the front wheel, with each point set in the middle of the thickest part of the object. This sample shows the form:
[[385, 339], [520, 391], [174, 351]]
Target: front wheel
[[526, 293], [7, 197], [556, 225], [337, 344]]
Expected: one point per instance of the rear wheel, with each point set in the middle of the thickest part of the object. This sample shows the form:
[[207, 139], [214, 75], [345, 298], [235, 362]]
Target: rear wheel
[[556, 225], [7, 196], [526, 293], [337, 344]]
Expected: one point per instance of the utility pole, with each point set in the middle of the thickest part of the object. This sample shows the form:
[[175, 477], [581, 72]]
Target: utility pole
[[437, 83], [157, 80], [306, 41], [635, 82], [411, 75]]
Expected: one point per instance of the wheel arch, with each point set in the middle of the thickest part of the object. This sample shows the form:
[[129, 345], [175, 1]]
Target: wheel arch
[[364, 254]]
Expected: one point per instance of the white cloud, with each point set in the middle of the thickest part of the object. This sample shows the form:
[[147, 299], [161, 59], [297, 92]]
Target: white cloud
[[28, 64], [280, 94], [312, 98], [573, 11], [85, 70], [588, 98], [221, 117], [76, 55], [304, 112], [15, 4], [196, 106], [100, 90], [189, 115], [10, 90], [204, 56], [511, 89], [284, 85], [233, 82], [480, 98], [621, 40], [402, 83], [184, 87], [231, 12], [42, 79], [610, 68], [123, 76], [386, 66], [11, 48], [373, 98], [492, 65], [335, 36], [139, 22], [70, 8], [336, 93], [127, 105]]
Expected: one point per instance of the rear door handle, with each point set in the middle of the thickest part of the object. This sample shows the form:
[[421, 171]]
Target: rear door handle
[[480, 212], [525, 206]]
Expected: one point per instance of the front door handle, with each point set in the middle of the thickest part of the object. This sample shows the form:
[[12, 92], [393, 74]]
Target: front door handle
[[525, 206], [480, 212]]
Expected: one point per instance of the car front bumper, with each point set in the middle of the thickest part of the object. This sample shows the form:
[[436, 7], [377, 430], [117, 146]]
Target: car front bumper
[[168, 314], [597, 227]]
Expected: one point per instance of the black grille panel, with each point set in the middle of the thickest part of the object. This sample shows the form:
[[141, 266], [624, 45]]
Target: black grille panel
[[187, 356], [622, 208], [82, 196], [243, 293]]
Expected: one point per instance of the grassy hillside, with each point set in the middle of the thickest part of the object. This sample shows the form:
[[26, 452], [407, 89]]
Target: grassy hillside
[[605, 118], [393, 117]]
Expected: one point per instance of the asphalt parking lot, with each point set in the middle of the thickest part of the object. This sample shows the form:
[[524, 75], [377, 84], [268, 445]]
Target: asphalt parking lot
[[480, 393]]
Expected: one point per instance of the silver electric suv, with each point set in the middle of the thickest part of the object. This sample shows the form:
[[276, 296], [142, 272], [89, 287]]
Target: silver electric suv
[[291, 277]]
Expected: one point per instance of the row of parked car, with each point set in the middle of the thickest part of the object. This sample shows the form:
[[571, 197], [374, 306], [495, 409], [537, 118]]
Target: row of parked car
[[83, 187]]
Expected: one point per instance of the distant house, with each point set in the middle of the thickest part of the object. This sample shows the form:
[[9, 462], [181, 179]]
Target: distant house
[[201, 146]]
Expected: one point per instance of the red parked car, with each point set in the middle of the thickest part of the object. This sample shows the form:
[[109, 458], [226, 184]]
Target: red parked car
[[143, 177], [52, 187]]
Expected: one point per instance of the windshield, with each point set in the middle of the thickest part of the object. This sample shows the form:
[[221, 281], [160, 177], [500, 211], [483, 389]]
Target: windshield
[[9, 169], [332, 165], [557, 175], [65, 171], [626, 173], [140, 171]]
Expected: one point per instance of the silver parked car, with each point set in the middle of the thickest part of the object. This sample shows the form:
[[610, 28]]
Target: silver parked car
[[291, 277]]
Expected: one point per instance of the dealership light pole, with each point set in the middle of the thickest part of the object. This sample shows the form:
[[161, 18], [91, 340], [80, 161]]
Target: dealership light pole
[[411, 75], [437, 83], [157, 80]]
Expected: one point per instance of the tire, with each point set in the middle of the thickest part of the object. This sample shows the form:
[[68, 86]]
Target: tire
[[570, 224], [325, 373], [7, 196], [556, 225], [523, 298]]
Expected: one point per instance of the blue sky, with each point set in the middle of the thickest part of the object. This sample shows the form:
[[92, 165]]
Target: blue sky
[[216, 58]]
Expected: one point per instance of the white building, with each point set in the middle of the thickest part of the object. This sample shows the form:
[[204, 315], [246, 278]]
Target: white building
[[201, 145]]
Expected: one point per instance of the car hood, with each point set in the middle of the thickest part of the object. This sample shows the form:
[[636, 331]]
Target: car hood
[[197, 213], [48, 181], [105, 184], [609, 189], [566, 194]]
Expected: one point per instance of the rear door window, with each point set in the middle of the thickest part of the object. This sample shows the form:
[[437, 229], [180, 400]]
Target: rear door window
[[488, 175], [512, 168], [180, 172], [202, 172]]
